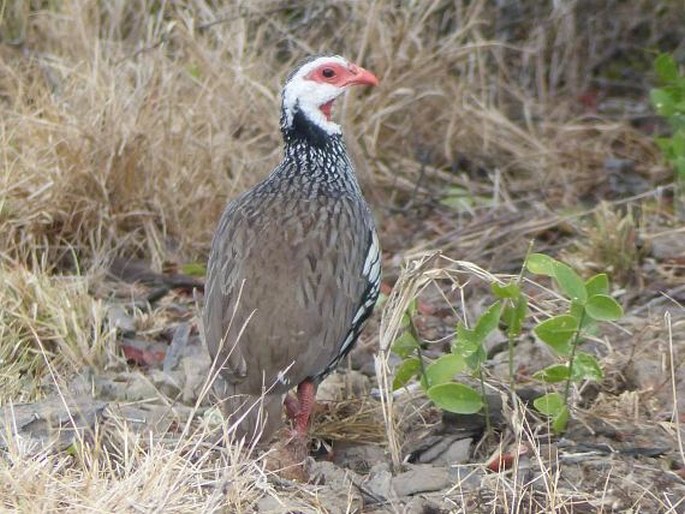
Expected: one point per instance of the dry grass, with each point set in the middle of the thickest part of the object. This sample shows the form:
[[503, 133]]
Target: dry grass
[[125, 127], [117, 470], [121, 124]]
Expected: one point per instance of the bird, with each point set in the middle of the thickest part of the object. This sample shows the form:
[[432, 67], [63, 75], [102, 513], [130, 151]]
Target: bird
[[294, 268]]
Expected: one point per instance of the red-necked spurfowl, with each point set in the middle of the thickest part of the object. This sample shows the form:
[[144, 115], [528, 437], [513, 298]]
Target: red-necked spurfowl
[[294, 269]]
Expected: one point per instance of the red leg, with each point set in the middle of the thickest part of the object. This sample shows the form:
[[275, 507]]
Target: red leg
[[306, 394]]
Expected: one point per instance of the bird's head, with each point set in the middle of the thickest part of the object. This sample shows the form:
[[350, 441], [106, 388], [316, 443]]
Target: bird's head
[[313, 86]]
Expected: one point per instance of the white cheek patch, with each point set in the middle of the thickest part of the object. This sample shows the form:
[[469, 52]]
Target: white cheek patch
[[310, 95]]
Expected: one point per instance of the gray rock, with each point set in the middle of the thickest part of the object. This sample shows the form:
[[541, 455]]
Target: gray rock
[[339, 491], [379, 482], [421, 478], [450, 450], [53, 423], [467, 478], [358, 457], [178, 344], [419, 505], [339, 386], [120, 320]]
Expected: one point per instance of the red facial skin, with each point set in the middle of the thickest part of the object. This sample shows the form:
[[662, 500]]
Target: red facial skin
[[341, 76]]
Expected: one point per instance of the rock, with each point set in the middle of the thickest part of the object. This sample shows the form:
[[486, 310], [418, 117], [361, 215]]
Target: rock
[[450, 450], [120, 320], [340, 386], [379, 483], [339, 491], [132, 386], [54, 423], [421, 478], [360, 458], [195, 364], [467, 478], [418, 505], [178, 344], [668, 245]]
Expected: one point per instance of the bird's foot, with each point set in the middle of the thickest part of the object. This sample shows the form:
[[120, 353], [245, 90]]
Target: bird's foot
[[288, 457]]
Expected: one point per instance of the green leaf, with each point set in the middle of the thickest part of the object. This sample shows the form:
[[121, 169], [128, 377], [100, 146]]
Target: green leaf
[[458, 198], [444, 369], [457, 398], [678, 143], [570, 282], [560, 421], [540, 264], [465, 342], [557, 332], [680, 166], [662, 101], [409, 312], [411, 308], [487, 322], [405, 372], [577, 310], [477, 358], [553, 374], [602, 307], [513, 316], [550, 404], [597, 284], [666, 68], [586, 367], [469, 347], [194, 269], [405, 345], [507, 291]]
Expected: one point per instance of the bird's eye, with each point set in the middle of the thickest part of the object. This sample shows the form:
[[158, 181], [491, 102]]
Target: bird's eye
[[328, 73]]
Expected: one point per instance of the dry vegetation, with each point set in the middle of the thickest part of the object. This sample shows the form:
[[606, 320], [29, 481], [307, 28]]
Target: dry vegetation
[[126, 125]]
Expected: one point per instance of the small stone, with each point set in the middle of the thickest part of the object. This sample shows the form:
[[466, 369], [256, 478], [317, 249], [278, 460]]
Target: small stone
[[379, 482], [338, 491], [615, 164], [450, 451], [421, 478], [341, 386], [119, 319], [420, 505], [358, 457]]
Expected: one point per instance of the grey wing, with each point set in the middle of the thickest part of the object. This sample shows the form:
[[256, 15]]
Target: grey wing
[[222, 294], [367, 292]]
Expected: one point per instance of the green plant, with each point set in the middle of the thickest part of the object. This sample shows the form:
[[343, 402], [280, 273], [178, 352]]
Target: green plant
[[589, 303], [669, 101]]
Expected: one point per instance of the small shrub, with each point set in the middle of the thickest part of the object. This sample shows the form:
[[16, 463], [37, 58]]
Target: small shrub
[[589, 303]]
